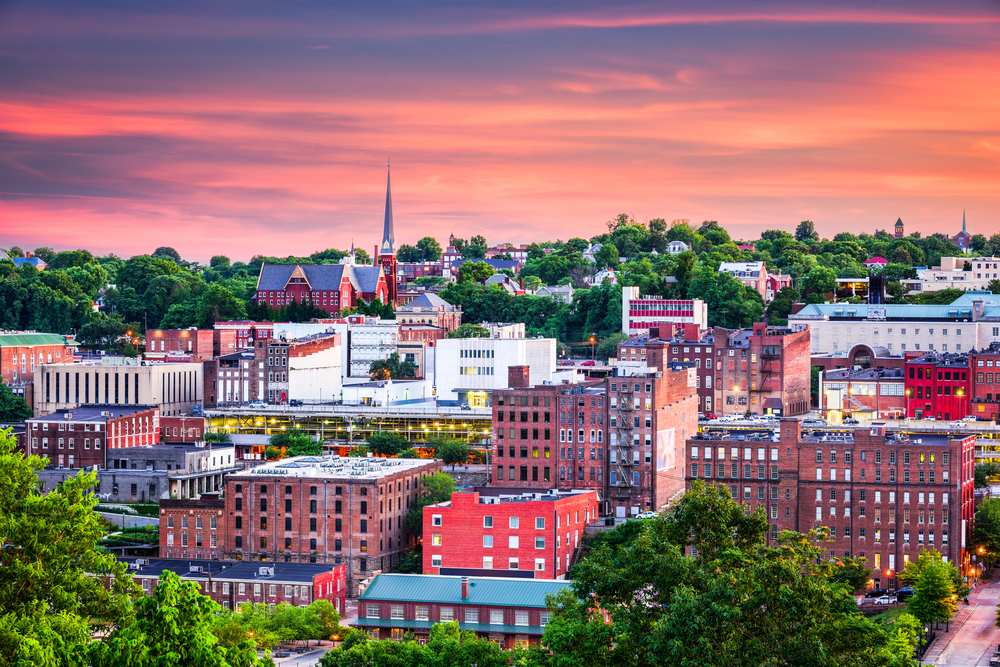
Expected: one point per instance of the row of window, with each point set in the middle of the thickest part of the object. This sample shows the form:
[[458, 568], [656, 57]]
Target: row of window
[[447, 614], [213, 540], [72, 445], [513, 541], [198, 522], [513, 522], [862, 533]]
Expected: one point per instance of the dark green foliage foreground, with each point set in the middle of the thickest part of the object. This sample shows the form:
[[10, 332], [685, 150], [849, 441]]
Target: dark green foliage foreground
[[638, 600]]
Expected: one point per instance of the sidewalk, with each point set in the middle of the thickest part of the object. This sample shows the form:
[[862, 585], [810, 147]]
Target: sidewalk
[[944, 638]]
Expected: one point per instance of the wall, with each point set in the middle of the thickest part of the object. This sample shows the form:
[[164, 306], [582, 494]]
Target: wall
[[176, 388], [313, 375]]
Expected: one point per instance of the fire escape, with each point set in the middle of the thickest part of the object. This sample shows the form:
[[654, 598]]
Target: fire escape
[[770, 363], [626, 410]]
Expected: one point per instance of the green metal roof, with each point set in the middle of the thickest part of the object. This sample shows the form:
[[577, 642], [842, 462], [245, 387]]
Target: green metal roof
[[495, 591], [427, 625], [15, 340]]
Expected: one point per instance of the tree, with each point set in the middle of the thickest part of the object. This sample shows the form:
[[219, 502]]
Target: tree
[[607, 256], [44, 253], [218, 437], [173, 626], [806, 231], [361, 255], [55, 587], [469, 331], [218, 303], [436, 488], [986, 530], [13, 408], [910, 575], [446, 645], [453, 452], [430, 249], [781, 305], [297, 443], [219, 262], [983, 472], [608, 347], [736, 597], [392, 368], [105, 333], [376, 308], [820, 280], [409, 254], [935, 597], [994, 286], [168, 253], [387, 444], [474, 272]]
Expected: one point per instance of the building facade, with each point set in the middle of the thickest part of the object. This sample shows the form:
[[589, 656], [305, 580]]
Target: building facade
[[865, 394], [510, 612], [485, 529], [202, 344], [764, 370], [430, 309], [951, 274], [21, 352], [469, 370], [984, 372], [883, 496], [639, 315], [939, 386], [82, 437], [751, 274], [229, 378], [298, 369], [174, 388]]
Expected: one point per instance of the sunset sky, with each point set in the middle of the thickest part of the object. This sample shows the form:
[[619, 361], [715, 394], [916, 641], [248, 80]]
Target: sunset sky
[[265, 128]]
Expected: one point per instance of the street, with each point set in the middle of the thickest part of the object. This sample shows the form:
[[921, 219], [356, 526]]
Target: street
[[976, 640]]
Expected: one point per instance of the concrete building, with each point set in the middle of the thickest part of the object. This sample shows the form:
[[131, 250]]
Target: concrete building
[[764, 370], [563, 293], [202, 344], [231, 583], [951, 274], [340, 511], [485, 529], [883, 495], [865, 394], [385, 393], [370, 339], [511, 612], [639, 315], [971, 321], [174, 388], [430, 309], [504, 329], [304, 369], [183, 429], [469, 370], [81, 437]]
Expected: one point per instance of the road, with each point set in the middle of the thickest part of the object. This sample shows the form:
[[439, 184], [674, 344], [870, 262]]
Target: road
[[975, 641]]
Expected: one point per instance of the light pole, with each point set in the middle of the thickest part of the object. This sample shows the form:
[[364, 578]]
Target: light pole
[[592, 341]]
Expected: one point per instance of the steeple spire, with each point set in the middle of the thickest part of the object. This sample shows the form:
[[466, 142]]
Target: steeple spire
[[963, 219], [388, 246]]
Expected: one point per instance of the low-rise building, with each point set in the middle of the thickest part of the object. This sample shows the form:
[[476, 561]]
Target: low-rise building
[[640, 314], [952, 274], [430, 309], [514, 530], [751, 274], [469, 370], [202, 344], [865, 394], [228, 378], [21, 352], [233, 583], [298, 369], [174, 388], [82, 437], [939, 386], [984, 372], [511, 612]]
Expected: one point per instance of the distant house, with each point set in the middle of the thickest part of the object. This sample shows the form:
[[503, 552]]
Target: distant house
[[604, 275], [590, 253], [751, 274], [18, 261], [876, 263], [505, 283], [677, 247], [562, 293]]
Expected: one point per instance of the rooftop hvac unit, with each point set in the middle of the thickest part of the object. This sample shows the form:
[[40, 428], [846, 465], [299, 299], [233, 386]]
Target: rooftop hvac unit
[[266, 572], [134, 566], [142, 561], [196, 568]]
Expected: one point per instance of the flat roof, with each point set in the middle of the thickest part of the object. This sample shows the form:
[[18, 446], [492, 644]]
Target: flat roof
[[336, 467], [445, 589], [92, 413], [292, 573]]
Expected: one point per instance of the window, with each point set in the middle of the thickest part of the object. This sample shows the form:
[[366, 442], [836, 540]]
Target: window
[[539, 542], [487, 522], [512, 542], [520, 617], [422, 612], [447, 614], [488, 541], [396, 611], [372, 611], [435, 561], [496, 616], [436, 520], [471, 615], [436, 540], [514, 522]]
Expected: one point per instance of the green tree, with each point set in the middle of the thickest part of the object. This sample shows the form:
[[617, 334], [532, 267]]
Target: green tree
[[392, 368], [607, 256], [608, 347], [994, 286], [44, 253], [430, 249], [986, 530], [168, 253], [409, 254], [13, 408], [469, 331], [436, 488], [173, 626], [806, 231], [983, 472], [935, 597], [298, 443], [387, 444], [820, 280], [106, 333], [219, 304], [452, 451], [474, 272], [218, 437], [781, 305], [56, 588], [910, 575]]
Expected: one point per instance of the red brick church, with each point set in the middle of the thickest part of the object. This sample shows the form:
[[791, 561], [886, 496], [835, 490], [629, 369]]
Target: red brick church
[[333, 287]]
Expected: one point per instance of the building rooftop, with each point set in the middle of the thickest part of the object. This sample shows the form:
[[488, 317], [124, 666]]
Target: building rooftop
[[943, 360], [443, 589], [29, 339], [742, 269], [270, 572], [336, 467], [872, 374], [92, 413]]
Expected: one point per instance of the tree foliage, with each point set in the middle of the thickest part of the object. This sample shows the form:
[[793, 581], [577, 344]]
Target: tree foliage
[[297, 443], [469, 331], [986, 530], [436, 488], [392, 368], [13, 408], [387, 444]]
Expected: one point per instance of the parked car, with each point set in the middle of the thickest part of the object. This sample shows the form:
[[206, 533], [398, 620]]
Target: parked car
[[646, 515], [566, 362], [702, 417], [258, 404], [852, 421], [886, 599], [466, 406], [589, 362], [813, 422], [711, 415], [295, 402], [905, 593], [876, 593], [970, 418]]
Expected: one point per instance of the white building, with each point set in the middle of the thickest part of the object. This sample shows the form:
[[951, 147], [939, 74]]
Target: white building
[[468, 370], [639, 315], [677, 247], [971, 321], [385, 393], [370, 339], [504, 329], [950, 274]]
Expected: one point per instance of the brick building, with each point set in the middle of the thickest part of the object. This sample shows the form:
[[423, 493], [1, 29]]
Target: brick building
[[764, 370], [193, 528], [641, 314], [884, 496], [182, 429], [511, 612], [485, 529], [81, 437], [535, 437], [751, 274], [865, 394], [430, 309], [984, 367], [688, 344], [228, 378], [247, 331], [938, 385], [232, 583], [201, 344], [324, 509], [305, 368], [21, 352]]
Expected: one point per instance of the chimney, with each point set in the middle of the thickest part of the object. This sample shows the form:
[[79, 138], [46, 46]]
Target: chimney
[[465, 588]]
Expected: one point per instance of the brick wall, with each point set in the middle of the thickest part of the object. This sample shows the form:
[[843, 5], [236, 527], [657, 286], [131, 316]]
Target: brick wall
[[193, 529]]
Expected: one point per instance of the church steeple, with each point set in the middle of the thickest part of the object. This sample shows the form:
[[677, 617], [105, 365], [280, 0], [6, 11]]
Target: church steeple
[[963, 220], [388, 246]]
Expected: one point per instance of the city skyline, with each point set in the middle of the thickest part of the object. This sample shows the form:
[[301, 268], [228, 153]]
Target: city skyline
[[261, 132]]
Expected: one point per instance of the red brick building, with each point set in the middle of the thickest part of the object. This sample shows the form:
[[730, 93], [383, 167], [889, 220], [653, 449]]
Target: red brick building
[[182, 428], [20, 352], [232, 583], [865, 394], [764, 370], [247, 332], [938, 385], [81, 437], [191, 528], [510, 612], [485, 529], [330, 287], [202, 344], [884, 496], [688, 344], [984, 367]]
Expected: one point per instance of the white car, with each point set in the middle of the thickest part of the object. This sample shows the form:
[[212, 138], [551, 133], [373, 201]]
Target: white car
[[886, 599], [258, 404], [646, 515]]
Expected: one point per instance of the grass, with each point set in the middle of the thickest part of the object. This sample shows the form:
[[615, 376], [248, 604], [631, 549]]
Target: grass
[[888, 616]]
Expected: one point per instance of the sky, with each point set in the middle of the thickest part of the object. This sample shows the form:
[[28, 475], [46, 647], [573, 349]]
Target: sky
[[266, 128]]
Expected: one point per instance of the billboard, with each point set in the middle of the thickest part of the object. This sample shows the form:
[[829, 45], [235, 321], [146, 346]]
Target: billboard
[[666, 449]]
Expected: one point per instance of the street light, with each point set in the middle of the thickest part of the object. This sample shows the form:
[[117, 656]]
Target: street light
[[592, 340]]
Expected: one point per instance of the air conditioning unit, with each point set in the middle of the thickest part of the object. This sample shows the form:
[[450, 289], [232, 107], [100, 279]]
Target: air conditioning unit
[[142, 561], [196, 568], [265, 572]]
